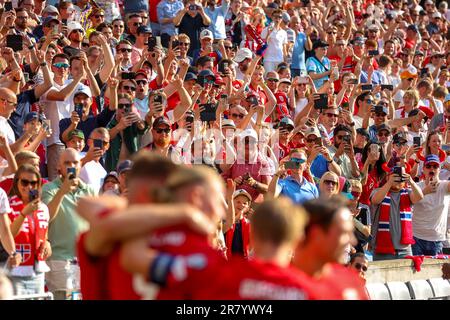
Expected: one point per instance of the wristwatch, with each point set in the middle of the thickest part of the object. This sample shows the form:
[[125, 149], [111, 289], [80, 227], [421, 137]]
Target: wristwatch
[[13, 254], [330, 161], [43, 64], [338, 161]]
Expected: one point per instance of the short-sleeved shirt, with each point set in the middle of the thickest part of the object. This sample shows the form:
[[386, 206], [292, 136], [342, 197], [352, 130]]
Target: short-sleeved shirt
[[4, 203], [313, 65], [67, 225], [298, 53], [166, 9], [275, 42], [298, 192], [192, 26], [217, 16]]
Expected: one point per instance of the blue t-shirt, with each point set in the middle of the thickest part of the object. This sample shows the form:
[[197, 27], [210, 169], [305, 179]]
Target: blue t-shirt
[[298, 53], [298, 193], [313, 65]]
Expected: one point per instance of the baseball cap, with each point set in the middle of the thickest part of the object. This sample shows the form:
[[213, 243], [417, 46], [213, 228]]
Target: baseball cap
[[320, 44], [50, 9], [30, 116], [437, 14], [243, 54], [384, 126], [429, 2], [142, 72], [47, 21], [427, 111], [124, 166], [76, 133], [143, 29], [72, 26], [228, 123], [286, 121], [286, 17], [285, 80], [242, 192], [273, 5], [432, 158], [419, 53], [206, 34], [413, 27], [111, 174], [409, 73], [161, 120], [359, 40], [373, 27], [312, 130], [363, 132], [190, 76], [399, 136], [206, 73], [83, 89]]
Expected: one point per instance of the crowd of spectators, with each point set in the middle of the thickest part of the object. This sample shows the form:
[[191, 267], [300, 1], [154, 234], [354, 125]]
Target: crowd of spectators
[[297, 136]]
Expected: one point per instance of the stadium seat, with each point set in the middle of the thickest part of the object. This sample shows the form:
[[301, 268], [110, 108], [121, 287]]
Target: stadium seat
[[420, 289], [398, 290], [378, 291], [441, 287]]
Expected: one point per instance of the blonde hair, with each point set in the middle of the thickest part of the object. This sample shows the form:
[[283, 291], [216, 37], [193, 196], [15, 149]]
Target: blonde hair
[[326, 175], [413, 94]]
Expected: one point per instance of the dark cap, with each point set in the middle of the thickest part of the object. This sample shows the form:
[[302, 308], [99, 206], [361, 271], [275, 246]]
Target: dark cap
[[413, 27], [359, 40], [143, 29], [190, 76], [207, 73], [273, 5], [30, 116], [383, 108], [124, 166], [400, 137], [414, 112], [49, 19], [384, 126], [75, 133], [419, 53], [161, 120], [363, 132], [320, 44]]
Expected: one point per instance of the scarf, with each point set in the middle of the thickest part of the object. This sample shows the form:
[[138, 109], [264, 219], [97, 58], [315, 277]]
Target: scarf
[[32, 234], [245, 225], [384, 241]]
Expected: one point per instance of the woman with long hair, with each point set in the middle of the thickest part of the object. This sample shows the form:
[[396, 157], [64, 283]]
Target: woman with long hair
[[329, 185], [373, 158], [29, 226]]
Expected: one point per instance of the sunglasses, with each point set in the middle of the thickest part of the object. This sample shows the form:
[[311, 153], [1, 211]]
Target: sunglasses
[[159, 130], [410, 79], [342, 137], [356, 194], [432, 166], [184, 44], [119, 26], [332, 32], [129, 88], [276, 17], [331, 115], [84, 44], [143, 82], [386, 134], [359, 266], [298, 160], [144, 17], [378, 114], [334, 183], [123, 50], [61, 65], [99, 16], [273, 80], [311, 140], [137, 24], [228, 48], [123, 105], [26, 183], [237, 115]]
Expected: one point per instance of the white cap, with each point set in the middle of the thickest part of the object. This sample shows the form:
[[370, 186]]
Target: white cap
[[285, 80], [312, 130], [50, 9], [437, 15], [242, 192], [83, 89], [373, 27], [243, 54], [206, 34], [228, 123], [73, 25], [429, 2]]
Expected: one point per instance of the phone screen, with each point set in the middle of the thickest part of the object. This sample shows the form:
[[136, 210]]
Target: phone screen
[[15, 42], [292, 165]]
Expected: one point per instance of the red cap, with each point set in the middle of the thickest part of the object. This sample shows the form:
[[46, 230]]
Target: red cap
[[427, 111], [143, 72]]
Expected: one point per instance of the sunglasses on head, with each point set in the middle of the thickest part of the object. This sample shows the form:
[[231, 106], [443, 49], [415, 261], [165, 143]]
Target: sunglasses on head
[[332, 182], [61, 65], [26, 183], [360, 266], [123, 50], [129, 88], [160, 130]]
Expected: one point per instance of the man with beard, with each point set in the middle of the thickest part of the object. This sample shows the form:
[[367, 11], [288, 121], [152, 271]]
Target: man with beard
[[161, 132], [243, 58], [430, 213], [392, 230], [75, 34]]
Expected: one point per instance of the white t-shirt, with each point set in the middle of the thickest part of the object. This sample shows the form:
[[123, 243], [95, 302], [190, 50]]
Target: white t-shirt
[[4, 202], [93, 173], [8, 133], [275, 43], [300, 104], [430, 214]]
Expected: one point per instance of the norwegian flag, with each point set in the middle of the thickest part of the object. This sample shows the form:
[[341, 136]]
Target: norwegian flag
[[24, 250]]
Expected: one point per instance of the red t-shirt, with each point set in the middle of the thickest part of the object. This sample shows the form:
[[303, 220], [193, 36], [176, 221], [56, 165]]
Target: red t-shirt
[[258, 280], [339, 283]]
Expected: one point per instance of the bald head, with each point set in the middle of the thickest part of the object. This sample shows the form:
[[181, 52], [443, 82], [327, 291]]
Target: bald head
[[8, 102], [69, 158]]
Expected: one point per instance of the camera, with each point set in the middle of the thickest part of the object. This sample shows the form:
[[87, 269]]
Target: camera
[[151, 43], [389, 87], [71, 173], [322, 102], [128, 75], [367, 87], [98, 143]]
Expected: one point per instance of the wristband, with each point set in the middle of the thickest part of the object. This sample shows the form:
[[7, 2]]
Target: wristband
[[330, 161], [160, 269], [13, 254], [31, 47]]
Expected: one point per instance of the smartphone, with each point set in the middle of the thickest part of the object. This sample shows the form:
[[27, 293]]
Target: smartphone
[[47, 125], [151, 43], [157, 98], [128, 75], [224, 97], [79, 109], [389, 87], [346, 138], [189, 119], [423, 71], [373, 53], [64, 22], [71, 173], [209, 114], [319, 141], [175, 43], [417, 141], [377, 109], [252, 100], [363, 212], [445, 147], [8, 6], [192, 7], [221, 67], [26, 76], [98, 143], [367, 87], [291, 165], [374, 148], [15, 42], [33, 194], [56, 29], [322, 102], [397, 170], [352, 81], [127, 110]]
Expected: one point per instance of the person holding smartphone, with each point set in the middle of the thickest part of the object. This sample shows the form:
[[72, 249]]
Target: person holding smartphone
[[29, 225], [289, 180]]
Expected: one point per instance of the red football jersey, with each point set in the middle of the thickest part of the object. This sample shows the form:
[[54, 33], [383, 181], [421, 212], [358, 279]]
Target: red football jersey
[[339, 283], [253, 279]]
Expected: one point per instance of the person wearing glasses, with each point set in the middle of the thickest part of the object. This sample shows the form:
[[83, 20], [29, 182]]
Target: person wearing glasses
[[58, 106], [294, 185], [133, 23], [190, 21], [140, 46], [125, 129], [29, 225], [277, 42], [328, 185], [360, 263], [125, 48], [75, 34], [96, 17], [118, 29]]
